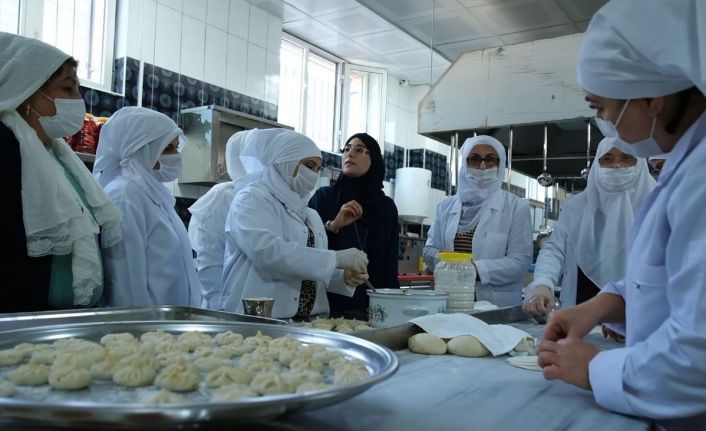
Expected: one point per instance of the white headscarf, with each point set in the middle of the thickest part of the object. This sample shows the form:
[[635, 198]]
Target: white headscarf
[[54, 219], [635, 49], [277, 152], [601, 237], [474, 196]]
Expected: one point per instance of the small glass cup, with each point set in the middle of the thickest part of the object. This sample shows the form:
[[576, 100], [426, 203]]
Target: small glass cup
[[260, 307]]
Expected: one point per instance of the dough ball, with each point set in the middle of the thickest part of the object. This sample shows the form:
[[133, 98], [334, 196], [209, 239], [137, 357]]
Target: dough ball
[[69, 378], [225, 376], [11, 357], [7, 389], [427, 344], [233, 392], [32, 374], [467, 345], [180, 376], [228, 337], [526, 345]]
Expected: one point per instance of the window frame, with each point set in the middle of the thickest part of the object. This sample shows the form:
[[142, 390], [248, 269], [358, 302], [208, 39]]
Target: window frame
[[344, 106]]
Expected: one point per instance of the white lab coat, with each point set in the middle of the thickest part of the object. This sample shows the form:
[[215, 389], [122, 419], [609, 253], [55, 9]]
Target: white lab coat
[[556, 263], [502, 244], [266, 255], [661, 373], [147, 267], [207, 235]]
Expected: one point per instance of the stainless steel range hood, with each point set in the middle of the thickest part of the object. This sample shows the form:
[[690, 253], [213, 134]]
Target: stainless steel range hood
[[522, 87]]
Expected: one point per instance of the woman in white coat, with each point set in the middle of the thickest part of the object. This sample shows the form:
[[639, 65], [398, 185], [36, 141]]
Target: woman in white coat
[[587, 248], [208, 221], [489, 222], [138, 150], [275, 245], [651, 89]]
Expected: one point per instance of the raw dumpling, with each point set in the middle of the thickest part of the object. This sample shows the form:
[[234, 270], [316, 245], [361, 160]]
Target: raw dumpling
[[296, 378], [322, 324], [180, 376], [286, 356], [361, 328], [123, 349], [233, 392], [261, 367], [90, 351], [467, 345], [28, 348], [270, 384], [7, 389], [134, 375], [104, 370], [153, 337], [32, 374], [237, 349], [427, 344], [194, 339], [228, 337], [45, 356], [166, 358], [347, 375], [526, 345], [345, 329], [287, 342], [118, 337], [306, 364], [206, 352], [268, 352], [69, 378], [343, 362], [163, 346], [11, 357], [162, 397], [311, 386], [71, 360], [310, 349], [257, 340], [225, 376], [253, 358], [139, 360], [326, 356], [65, 343], [525, 362], [211, 363]]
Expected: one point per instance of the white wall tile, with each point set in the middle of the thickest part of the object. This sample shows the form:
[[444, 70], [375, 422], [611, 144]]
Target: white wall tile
[[402, 132], [217, 14], [414, 140], [272, 78], [168, 38], [174, 4], [274, 34], [257, 68], [258, 26], [193, 41], [239, 19], [215, 57], [236, 65], [149, 17], [196, 9]]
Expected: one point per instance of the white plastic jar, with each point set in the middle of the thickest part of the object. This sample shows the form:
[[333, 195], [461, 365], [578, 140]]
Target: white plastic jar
[[456, 275]]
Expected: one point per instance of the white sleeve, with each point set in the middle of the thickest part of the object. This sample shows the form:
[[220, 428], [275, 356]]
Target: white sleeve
[[435, 238], [514, 265], [253, 225], [208, 241], [552, 257]]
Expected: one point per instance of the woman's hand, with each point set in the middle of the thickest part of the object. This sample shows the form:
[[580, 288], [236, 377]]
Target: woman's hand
[[354, 278], [567, 360], [540, 302], [349, 213]]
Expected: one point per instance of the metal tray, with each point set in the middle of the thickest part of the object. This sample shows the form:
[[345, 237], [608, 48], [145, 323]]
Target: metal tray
[[381, 362], [166, 312]]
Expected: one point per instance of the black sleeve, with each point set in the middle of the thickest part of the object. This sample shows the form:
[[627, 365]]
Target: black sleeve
[[393, 247], [25, 285], [318, 203]]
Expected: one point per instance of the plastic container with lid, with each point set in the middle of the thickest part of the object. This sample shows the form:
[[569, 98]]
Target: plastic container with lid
[[456, 275]]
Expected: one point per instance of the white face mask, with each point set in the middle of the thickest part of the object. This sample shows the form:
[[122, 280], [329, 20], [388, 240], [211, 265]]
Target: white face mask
[[618, 179], [305, 181], [645, 148], [68, 118], [169, 167], [482, 177]]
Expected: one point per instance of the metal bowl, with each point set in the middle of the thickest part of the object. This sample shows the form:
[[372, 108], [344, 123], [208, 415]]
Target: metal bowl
[[86, 409], [545, 179]]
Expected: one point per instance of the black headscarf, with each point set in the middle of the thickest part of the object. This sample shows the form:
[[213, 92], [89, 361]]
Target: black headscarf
[[366, 189]]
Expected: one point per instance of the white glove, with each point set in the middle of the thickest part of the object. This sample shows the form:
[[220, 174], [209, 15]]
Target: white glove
[[540, 302], [354, 279], [353, 259]]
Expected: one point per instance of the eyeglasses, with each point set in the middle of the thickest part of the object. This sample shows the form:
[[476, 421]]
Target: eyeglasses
[[623, 161], [358, 150], [475, 161]]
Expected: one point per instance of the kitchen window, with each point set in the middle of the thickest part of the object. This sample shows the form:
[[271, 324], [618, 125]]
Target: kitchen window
[[82, 28], [307, 92]]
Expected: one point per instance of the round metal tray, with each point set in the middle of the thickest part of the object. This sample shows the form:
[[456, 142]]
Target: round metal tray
[[381, 363]]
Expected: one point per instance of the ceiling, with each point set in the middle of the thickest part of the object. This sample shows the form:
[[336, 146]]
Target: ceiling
[[396, 34]]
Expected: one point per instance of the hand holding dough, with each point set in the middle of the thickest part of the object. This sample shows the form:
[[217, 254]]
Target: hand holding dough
[[427, 344], [467, 345], [525, 362]]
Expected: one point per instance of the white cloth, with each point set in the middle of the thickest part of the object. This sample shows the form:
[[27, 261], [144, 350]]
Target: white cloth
[[267, 231], [152, 265], [592, 230], [498, 339], [661, 372], [55, 219], [502, 244], [474, 196], [623, 57]]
